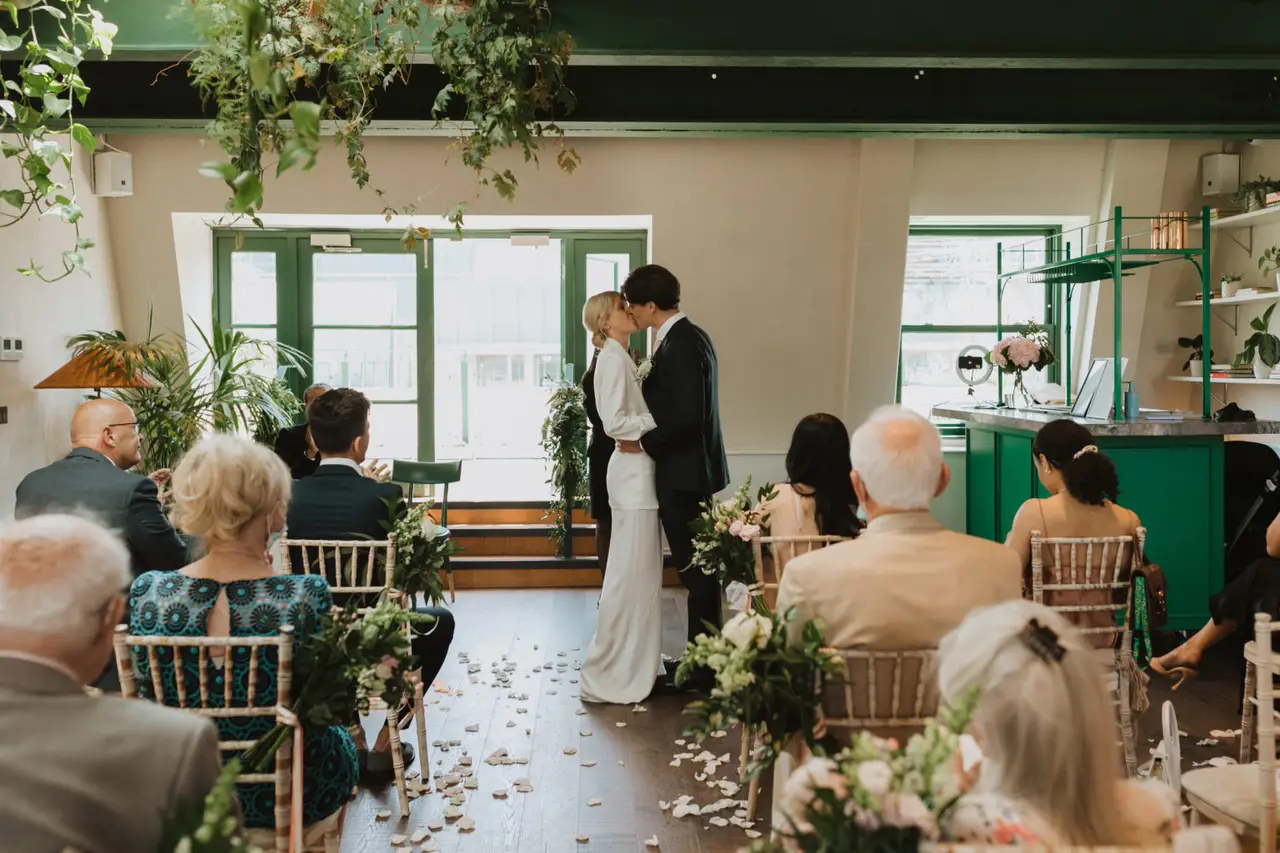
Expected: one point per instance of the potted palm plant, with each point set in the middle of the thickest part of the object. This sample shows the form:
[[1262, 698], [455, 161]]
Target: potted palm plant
[[1261, 349]]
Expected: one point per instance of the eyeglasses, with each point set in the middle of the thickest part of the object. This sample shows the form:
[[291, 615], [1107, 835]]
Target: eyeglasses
[[130, 423]]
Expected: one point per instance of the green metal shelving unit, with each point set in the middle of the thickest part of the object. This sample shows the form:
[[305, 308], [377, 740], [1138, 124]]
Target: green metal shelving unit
[[1111, 257]]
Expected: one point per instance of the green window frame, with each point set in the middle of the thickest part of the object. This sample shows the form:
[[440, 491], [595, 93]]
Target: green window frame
[[1012, 235], [293, 253]]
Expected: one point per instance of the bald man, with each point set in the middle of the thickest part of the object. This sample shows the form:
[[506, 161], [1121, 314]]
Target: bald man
[[294, 444], [94, 480]]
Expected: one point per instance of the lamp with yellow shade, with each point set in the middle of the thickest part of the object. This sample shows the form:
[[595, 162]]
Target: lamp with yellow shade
[[88, 370]]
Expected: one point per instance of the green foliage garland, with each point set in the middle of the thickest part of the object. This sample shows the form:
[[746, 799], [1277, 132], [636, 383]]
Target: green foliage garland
[[38, 96], [275, 69], [564, 435], [506, 63]]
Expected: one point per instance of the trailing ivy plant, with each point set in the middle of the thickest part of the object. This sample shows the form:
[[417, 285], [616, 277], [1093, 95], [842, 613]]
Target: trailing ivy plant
[[275, 69], [564, 434], [507, 66], [38, 97]]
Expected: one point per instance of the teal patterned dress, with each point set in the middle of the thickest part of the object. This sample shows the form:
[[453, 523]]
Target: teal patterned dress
[[171, 604]]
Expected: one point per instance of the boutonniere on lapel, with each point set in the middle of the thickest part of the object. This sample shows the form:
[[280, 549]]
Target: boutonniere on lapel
[[644, 368]]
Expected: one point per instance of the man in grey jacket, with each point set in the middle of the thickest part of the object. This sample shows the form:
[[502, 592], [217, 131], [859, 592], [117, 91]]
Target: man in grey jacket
[[76, 771], [94, 479]]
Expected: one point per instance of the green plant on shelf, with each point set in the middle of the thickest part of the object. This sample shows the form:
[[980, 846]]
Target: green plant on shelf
[[1229, 278], [1261, 345], [1196, 345], [1269, 261], [1254, 193]]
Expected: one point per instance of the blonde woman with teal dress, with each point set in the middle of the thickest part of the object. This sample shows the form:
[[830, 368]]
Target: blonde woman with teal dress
[[233, 494]]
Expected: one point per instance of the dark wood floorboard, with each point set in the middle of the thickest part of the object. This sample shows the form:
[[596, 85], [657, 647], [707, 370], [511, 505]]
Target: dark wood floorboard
[[631, 769]]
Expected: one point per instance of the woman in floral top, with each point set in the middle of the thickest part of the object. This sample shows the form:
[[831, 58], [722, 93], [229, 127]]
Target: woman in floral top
[[232, 494], [1050, 772]]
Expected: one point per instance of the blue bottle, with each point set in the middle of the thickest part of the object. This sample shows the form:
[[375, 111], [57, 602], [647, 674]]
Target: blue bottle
[[1131, 411]]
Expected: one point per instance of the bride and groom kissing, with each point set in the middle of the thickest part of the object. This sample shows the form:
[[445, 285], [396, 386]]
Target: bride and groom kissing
[[669, 460]]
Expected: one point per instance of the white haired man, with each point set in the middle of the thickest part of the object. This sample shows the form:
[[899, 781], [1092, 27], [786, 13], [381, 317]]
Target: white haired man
[[906, 581], [79, 772]]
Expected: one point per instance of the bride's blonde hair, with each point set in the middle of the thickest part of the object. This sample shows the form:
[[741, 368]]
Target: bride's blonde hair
[[596, 313]]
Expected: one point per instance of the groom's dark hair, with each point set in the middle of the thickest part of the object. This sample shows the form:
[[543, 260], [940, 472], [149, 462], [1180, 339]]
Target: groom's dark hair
[[652, 283]]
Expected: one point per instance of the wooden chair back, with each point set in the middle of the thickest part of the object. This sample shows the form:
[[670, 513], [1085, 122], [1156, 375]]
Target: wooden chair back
[[348, 566], [880, 689], [241, 662], [1079, 589], [410, 473], [782, 550], [1074, 571], [1264, 709]]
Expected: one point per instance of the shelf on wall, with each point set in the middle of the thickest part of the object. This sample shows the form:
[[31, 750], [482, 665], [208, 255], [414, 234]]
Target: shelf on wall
[[1268, 296], [1234, 381], [1241, 220]]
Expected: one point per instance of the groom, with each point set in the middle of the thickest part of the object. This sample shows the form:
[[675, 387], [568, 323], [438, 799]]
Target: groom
[[682, 391]]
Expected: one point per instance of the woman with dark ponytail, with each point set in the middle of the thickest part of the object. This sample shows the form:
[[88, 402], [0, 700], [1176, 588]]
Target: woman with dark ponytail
[[1083, 487], [818, 497]]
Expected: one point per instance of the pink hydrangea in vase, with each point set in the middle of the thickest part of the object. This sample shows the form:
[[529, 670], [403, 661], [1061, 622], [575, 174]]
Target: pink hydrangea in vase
[[1027, 350]]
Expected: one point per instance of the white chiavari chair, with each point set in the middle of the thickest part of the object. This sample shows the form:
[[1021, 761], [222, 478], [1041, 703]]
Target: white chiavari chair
[[781, 550], [1242, 797], [240, 655], [362, 568], [1104, 588]]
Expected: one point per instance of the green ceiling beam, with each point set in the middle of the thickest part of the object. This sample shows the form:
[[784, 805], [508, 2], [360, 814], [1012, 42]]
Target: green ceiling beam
[[1181, 34]]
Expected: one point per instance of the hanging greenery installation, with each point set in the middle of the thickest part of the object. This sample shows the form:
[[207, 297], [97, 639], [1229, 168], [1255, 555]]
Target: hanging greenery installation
[[39, 92]]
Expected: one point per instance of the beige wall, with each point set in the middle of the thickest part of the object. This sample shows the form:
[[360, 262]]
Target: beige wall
[[44, 315], [791, 250]]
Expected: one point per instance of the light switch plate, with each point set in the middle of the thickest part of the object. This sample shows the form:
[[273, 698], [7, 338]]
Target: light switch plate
[[4, 415]]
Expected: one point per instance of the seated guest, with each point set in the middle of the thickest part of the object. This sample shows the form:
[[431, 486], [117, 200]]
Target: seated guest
[[339, 502], [1050, 772], [294, 444], [95, 478], [1082, 485], [818, 498], [233, 494], [906, 580], [1254, 590], [80, 772]]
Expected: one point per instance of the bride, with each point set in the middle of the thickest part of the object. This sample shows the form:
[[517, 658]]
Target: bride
[[625, 656]]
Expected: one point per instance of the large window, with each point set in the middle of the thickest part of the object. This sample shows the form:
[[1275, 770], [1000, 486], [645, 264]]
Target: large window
[[457, 342], [949, 303]]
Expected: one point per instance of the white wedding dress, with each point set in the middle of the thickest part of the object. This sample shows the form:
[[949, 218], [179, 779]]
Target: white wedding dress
[[625, 655]]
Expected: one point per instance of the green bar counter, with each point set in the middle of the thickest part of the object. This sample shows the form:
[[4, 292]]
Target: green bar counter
[[1170, 475]]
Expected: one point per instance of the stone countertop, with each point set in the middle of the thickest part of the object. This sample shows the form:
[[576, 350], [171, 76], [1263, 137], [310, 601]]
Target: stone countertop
[[1024, 419]]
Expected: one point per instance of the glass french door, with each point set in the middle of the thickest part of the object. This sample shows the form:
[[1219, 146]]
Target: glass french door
[[457, 342], [598, 264]]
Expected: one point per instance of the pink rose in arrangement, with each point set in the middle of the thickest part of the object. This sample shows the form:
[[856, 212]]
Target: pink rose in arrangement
[[735, 529], [749, 532]]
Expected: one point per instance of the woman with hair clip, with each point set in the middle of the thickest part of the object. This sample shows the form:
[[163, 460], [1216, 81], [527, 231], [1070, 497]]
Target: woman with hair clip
[[818, 497], [1083, 487], [1050, 772]]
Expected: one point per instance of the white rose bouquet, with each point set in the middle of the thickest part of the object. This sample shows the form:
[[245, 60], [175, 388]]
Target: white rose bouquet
[[760, 681], [876, 795], [722, 537], [423, 549]]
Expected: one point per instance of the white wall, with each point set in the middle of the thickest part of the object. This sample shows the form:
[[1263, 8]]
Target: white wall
[[44, 316]]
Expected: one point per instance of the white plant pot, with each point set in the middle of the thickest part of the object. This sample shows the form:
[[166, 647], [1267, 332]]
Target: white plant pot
[[1260, 369], [1197, 368], [1278, 279], [1229, 288]]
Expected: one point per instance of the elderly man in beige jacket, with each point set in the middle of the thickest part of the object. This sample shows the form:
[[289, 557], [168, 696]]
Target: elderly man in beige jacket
[[906, 581], [77, 772]]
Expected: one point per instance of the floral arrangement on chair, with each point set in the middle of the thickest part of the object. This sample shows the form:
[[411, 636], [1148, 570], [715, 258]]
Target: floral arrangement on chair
[[208, 826], [340, 667], [877, 794], [722, 537], [423, 548], [1027, 350], [760, 681]]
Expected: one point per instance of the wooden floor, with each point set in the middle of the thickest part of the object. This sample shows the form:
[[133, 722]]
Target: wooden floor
[[630, 766]]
